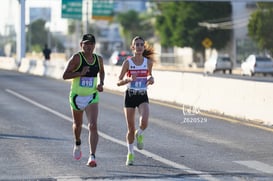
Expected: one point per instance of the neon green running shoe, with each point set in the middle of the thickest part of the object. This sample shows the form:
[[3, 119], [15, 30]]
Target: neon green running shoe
[[130, 159], [139, 139]]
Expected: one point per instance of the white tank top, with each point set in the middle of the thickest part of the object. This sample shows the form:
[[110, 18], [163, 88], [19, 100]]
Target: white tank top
[[141, 71]]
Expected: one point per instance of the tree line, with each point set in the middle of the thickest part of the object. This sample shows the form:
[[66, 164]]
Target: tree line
[[180, 24], [175, 24]]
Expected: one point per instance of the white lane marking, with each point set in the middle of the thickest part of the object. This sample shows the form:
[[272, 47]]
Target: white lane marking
[[201, 174], [260, 166]]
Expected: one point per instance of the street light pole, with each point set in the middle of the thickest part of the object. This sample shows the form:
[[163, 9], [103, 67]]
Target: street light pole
[[21, 34], [87, 21], [86, 14], [48, 31]]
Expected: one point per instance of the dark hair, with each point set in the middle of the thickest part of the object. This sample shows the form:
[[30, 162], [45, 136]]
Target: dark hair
[[149, 51]]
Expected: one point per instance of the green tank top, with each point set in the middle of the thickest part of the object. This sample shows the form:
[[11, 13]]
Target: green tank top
[[87, 84]]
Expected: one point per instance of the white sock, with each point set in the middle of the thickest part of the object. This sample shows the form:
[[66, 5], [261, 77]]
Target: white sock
[[139, 131], [130, 148]]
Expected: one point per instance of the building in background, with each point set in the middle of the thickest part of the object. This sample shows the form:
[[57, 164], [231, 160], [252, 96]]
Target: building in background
[[242, 45], [123, 6]]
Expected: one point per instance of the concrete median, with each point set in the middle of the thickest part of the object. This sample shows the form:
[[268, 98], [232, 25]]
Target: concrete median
[[8, 63], [248, 100]]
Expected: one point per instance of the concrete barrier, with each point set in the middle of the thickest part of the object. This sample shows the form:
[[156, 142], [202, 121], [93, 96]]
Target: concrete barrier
[[8, 63], [52, 68], [243, 99], [27, 65]]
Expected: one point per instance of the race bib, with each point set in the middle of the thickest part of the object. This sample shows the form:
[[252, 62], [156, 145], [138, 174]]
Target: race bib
[[87, 82], [139, 83]]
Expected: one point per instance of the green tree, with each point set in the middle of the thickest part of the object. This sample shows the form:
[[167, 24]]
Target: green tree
[[36, 37], [260, 26], [265, 5], [133, 24], [178, 24]]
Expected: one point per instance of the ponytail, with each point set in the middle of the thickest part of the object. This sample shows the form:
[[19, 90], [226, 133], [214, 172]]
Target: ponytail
[[148, 52]]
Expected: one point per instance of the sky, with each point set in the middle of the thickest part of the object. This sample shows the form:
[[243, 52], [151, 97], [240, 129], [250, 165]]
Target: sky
[[9, 13]]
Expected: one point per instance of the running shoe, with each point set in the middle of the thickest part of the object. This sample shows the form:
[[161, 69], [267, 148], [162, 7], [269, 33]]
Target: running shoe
[[139, 139], [130, 159], [77, 153], [91, 161]]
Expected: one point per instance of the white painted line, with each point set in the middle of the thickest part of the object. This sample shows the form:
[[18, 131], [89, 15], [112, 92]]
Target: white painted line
[[260, 166], [202, 175]]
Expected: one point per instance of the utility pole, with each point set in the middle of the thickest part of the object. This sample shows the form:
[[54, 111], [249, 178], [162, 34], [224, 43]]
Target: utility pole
[[21, 34], [87, 21], [87, 13]]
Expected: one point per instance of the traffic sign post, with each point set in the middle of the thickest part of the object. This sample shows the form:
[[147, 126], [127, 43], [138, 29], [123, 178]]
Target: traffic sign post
[[72, 9], [103, 10], [207, 43]]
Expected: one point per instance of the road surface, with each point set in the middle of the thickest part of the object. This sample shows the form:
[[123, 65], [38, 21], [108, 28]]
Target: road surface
[[181, 143]]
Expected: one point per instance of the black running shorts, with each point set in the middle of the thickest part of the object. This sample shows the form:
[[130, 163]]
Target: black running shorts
[[133, 100]]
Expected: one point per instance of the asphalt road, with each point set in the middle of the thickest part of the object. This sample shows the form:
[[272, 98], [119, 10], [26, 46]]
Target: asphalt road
[[180, 143]]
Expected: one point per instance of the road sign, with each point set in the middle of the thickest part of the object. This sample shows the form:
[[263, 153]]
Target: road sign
[[72, 9], [103, 10], [207, 43]]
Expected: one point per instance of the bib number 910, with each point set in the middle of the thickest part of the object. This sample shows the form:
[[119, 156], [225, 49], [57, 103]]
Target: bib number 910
[[86, 82]]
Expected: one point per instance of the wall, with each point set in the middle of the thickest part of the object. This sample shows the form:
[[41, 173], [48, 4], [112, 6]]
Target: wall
[[244, 99]]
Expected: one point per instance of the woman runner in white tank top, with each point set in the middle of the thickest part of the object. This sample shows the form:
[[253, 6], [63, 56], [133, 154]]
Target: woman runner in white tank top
[[136, 72]]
